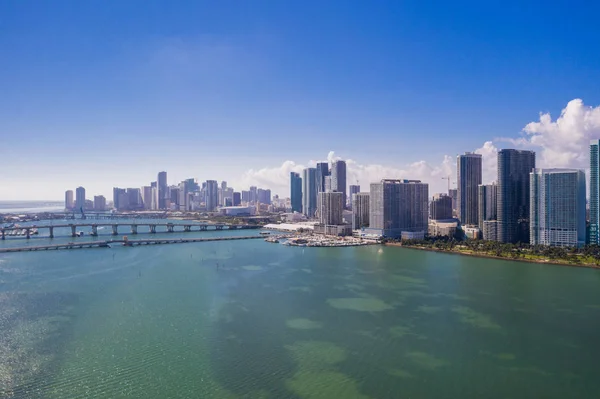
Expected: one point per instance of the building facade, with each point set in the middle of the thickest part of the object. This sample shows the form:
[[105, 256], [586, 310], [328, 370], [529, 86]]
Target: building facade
[[360, 210], [309, 192], [237, 198], [557, 207], [468, 168], [162, 190], [514, 167], [99, 203], [330, 208], [79, 198], [397, 206], [453, 193], [322, 173], [296, 192], [212, 195], [69, 203], [487, 203], [440, 207], [338, 178], [594, 192]]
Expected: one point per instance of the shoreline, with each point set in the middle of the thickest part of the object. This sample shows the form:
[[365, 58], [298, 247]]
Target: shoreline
[[488, 256]]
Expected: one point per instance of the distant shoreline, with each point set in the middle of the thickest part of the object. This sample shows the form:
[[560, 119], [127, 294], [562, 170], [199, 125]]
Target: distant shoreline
[[545, 261]]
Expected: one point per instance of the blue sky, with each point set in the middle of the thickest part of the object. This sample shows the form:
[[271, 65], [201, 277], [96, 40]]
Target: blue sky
[[103, 93]]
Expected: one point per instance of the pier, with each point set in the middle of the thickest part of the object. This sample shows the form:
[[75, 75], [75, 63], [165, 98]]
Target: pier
[[132, 228], [124, 242]]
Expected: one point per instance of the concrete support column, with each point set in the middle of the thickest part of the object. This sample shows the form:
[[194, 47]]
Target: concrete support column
[[28, 233], [152, 228], [187, 228], [3, 234], [51, 229], [73, 231], [203, 227], [219, 227], [134, 229], [115, 229], [94, 230], [170, 227]]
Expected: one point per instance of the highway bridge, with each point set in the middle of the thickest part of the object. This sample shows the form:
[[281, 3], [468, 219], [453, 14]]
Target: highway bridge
[[125, 242], [132, 227]]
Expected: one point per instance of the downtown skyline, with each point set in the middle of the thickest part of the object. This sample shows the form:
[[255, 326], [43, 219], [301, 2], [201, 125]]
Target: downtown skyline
[[104, 96]]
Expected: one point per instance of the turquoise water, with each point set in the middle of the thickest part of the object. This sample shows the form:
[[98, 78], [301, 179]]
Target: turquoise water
[[288, 322]]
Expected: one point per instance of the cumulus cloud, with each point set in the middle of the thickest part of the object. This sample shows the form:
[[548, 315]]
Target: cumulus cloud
[[563, 142]]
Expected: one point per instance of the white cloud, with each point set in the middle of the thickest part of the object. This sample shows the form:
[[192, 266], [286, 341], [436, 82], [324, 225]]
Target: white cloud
[[564, 142], [560, 143]]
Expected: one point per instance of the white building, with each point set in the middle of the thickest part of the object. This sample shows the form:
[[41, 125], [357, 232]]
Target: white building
[[557, 207], [237, 210], [330, 207]]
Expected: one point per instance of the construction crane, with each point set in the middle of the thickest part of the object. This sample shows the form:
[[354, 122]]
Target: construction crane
[[448, 178]]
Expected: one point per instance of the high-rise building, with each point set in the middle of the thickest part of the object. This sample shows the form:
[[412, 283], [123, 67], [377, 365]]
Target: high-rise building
[[468, 168], [595, 192], [246, 196], [557, 207], [264, 196], [327, 183], [134, 197], [253, 194], [174, 194], [146, 192], [398, 208], [360, 210], [514, 167], [69, 200], [211, 195], [119, 202], [309, 192], [453, 193], [440, 207], [322, 173], [330, 208], [79, 198], [338, 178], [99, 203], [353, 189], [296, 191], [487, 203], [237, 199], [223, 185], [162, 190]]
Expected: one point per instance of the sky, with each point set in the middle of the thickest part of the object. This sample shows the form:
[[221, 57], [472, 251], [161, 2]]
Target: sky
[[108, 93]]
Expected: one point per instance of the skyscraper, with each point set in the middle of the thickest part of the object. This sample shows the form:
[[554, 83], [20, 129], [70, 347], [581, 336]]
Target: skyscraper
[[487, 203], [322, 173], [514, 167], [399, 207], [440, 207], [309, 192], [146, 192], [557, 207], [360, 210], [69, 199], [453, 193], [79, 198], [296, 191], [330, 208], [162, 190], [353, 189], [99, 203], [594, 192], [134, 197], [338, 178], [468, 168], [237, 199], [212, 191]]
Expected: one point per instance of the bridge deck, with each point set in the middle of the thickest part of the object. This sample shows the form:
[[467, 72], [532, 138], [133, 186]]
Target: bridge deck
[[106, 244]]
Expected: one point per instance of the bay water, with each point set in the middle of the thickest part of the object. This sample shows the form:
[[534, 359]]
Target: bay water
[[250, 319]]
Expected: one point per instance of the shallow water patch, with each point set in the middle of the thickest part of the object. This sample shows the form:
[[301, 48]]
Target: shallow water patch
[[426, 361], [359, 304], [303, 324], [475, 319]]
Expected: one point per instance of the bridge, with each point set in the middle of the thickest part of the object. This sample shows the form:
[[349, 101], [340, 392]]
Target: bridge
[[124, 242], [107, 215], [133, 228]]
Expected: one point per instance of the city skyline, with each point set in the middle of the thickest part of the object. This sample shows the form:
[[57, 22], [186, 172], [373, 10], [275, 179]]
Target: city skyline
[[104, 96]]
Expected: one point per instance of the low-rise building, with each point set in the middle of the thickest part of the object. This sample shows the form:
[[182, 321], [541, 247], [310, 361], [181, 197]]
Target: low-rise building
[[445, 228]]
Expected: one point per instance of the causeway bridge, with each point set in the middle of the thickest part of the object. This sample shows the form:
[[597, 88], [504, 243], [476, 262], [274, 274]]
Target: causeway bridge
[[125, 242], [132, 227]]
